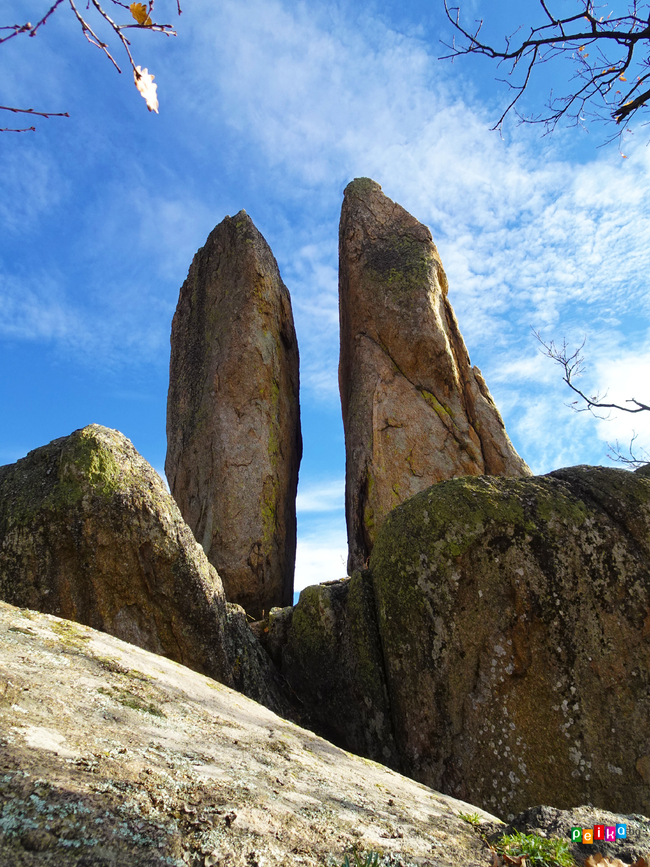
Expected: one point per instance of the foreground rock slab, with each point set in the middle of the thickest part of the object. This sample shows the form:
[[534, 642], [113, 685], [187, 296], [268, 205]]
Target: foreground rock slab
[[514, 617], [111, 755], [89, 532], [415, 411], [233, 418]]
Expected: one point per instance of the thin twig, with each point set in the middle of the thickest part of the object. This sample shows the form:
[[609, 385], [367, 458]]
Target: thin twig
[[91, 37], [95, 40], [32, 111]]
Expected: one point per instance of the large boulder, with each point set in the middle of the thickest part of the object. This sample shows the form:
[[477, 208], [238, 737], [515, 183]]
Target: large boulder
[[514, 619], [89, 532], [233, 419], [415, 411], [112, 756]]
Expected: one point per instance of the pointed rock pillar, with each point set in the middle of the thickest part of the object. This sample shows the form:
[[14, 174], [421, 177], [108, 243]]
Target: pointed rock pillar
[[414, 410], [233, 419]]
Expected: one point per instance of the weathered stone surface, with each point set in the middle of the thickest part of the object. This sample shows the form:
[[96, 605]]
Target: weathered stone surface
[[414, 411], [514, 617], [233, 419], [112, 756], [89, 532], [331, 658]]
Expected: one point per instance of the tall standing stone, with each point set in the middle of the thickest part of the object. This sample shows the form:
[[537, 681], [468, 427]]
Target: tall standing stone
[[233, 419], [414, 410]]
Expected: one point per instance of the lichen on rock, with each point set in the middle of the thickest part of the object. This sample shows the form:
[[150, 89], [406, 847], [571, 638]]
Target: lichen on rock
[[135, 760], [233, 420], [332, 661], [414, 410], [514, 617], [89, 532]]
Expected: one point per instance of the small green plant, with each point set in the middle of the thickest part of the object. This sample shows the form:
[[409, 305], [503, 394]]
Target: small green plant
[[539, 851], [372, 860], [472, 819]]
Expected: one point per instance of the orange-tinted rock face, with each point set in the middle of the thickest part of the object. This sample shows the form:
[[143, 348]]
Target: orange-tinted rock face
[[233, 419], [414, 410]]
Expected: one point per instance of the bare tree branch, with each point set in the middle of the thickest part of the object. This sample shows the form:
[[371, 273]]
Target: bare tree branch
[[605, 52], [573, 366], [32, 111], [27, 28], [631, 460], [141, 14]]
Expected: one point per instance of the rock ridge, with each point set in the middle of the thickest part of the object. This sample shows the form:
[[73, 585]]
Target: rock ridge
[[414, 410], [233, 418]]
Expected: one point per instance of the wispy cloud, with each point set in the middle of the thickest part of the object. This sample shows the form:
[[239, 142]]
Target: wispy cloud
[[527, 237], [325, 497], [33, 309], [289, 102]]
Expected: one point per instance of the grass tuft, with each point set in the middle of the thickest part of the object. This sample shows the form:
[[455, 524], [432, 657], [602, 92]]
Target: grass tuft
[[539, 851]]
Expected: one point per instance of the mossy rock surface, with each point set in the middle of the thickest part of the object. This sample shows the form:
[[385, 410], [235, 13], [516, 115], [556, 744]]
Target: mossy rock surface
[[332, 661], [514, 618], [89, 532]]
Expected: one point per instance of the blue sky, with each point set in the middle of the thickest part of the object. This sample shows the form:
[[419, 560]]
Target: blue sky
[[274, 106]]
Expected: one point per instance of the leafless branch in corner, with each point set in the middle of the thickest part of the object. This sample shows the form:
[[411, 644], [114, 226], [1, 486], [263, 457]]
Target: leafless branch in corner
[[605, 50], [573, 366], [143, 21]]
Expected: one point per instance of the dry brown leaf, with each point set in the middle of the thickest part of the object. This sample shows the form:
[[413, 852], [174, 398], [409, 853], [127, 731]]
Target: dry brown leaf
[[139, 12], [517, 861], [598, 860], [642, 861]]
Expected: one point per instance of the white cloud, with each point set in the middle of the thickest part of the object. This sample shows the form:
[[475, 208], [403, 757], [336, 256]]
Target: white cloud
[[311, 98], [36, 310], [523, 232], [323, 497], [619, 378], [31, 184], [321, 557]]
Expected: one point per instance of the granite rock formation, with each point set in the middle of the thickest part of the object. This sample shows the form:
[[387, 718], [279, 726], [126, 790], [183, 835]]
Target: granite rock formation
[[414, 411], [498, 648], [514, 617], [89, 532], [233, 418], [133, 760]]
